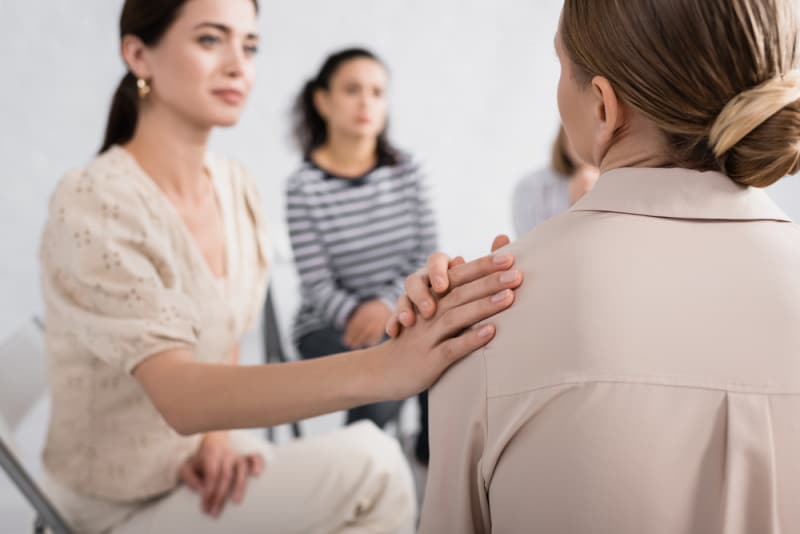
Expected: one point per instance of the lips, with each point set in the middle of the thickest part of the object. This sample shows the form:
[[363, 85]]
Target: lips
[[229, 96]]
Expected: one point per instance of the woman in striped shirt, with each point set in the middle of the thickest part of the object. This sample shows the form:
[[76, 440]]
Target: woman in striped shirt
[[359, 217]]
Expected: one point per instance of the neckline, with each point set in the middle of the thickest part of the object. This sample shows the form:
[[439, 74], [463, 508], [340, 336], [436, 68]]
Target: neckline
[[216, 281], [356, 180], [678, 193]]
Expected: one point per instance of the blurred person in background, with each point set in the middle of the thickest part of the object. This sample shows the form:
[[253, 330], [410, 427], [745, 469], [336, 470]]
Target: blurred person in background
[[359, 216]]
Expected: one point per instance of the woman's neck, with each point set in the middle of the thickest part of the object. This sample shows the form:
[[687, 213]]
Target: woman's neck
[[172, 153], [347, 156], [641, 144]]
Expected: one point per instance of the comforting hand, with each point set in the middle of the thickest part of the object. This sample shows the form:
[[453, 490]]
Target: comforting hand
[[413, 361], [441, 274], [218, 473], [366, 326]]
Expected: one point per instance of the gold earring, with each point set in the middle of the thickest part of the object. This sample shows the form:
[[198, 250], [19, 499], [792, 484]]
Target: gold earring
[[144, 87]]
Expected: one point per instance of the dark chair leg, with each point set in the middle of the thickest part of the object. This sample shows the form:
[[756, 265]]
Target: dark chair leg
[[273, 350]]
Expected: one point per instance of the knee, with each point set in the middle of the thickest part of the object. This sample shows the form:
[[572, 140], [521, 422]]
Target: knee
[[370, 440], [384, 455]]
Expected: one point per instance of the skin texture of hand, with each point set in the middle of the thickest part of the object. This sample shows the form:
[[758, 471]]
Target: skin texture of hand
[[366, 325], [218, 473], [414, 360], [441, 274]]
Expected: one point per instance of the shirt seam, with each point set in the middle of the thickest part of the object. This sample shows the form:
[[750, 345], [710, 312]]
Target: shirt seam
[[730, 388]]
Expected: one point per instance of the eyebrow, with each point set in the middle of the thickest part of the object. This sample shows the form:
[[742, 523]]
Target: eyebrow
[[224, 29]]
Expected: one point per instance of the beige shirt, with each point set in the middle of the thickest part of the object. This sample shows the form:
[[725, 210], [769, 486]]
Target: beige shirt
[[123, 279], [647, 379]]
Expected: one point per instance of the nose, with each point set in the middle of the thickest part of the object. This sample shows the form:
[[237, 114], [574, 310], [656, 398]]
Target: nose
[[364, 99], [234, 61]]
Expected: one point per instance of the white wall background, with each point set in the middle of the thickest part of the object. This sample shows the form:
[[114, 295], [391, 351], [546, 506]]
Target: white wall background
[[473, 96]]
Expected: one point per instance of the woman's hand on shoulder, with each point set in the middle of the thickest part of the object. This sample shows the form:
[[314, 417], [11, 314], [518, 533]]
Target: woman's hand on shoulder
[[440, 275], [418, 355]]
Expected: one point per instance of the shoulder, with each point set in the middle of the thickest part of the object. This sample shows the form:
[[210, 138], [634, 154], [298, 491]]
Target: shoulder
[[406, 164], [306, 176], [105, 214], [107, 190], [406, 170]]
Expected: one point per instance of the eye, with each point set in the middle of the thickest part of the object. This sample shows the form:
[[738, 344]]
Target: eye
[[208, 40], [251, 50]]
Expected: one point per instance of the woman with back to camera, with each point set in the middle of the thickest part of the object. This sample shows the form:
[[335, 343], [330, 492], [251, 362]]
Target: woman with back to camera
[[154, 264], [649, 380], [359, 216]]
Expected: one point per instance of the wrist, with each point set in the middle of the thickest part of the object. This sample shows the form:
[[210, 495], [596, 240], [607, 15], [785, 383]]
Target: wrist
[[216, 438], [372, 383]]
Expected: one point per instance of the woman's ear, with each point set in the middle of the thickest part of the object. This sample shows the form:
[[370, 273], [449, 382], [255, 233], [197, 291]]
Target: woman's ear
[[609, 114], [322, 103], [134, 52]]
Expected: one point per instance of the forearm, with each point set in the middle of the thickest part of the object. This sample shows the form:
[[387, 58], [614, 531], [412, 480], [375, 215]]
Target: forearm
[[195, 397]]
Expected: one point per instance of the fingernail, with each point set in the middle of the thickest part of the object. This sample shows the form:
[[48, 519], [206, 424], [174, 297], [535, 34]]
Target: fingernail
[[426, 305], [439, 282], [500, 297], [501, 259], [403, 317], [508, 277], [485, 331]]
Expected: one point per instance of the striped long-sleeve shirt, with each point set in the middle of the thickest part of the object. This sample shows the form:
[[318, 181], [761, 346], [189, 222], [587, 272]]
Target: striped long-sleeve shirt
[[356, 239]]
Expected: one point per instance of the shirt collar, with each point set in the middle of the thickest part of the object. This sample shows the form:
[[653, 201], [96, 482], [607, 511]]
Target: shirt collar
[[679, 194]]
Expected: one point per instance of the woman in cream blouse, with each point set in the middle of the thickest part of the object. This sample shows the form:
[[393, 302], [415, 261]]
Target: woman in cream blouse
[[154, 262], [648, 379]]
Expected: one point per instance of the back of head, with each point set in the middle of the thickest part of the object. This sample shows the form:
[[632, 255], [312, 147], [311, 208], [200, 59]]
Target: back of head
[[716, 76]]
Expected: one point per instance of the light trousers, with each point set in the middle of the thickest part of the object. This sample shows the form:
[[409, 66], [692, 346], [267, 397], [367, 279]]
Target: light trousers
[[355, 480]]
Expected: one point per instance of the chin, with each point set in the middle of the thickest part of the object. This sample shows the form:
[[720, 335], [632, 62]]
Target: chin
[[365, 132], [225, 119]]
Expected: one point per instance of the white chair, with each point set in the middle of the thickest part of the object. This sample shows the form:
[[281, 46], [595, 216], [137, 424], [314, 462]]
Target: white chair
[[22, 383]]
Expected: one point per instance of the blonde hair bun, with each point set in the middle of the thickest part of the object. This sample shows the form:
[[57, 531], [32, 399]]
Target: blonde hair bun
[[735, 136]]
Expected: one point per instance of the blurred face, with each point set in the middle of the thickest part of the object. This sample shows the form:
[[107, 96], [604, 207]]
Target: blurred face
[[203, 67], [576, 105], [355, 104]]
